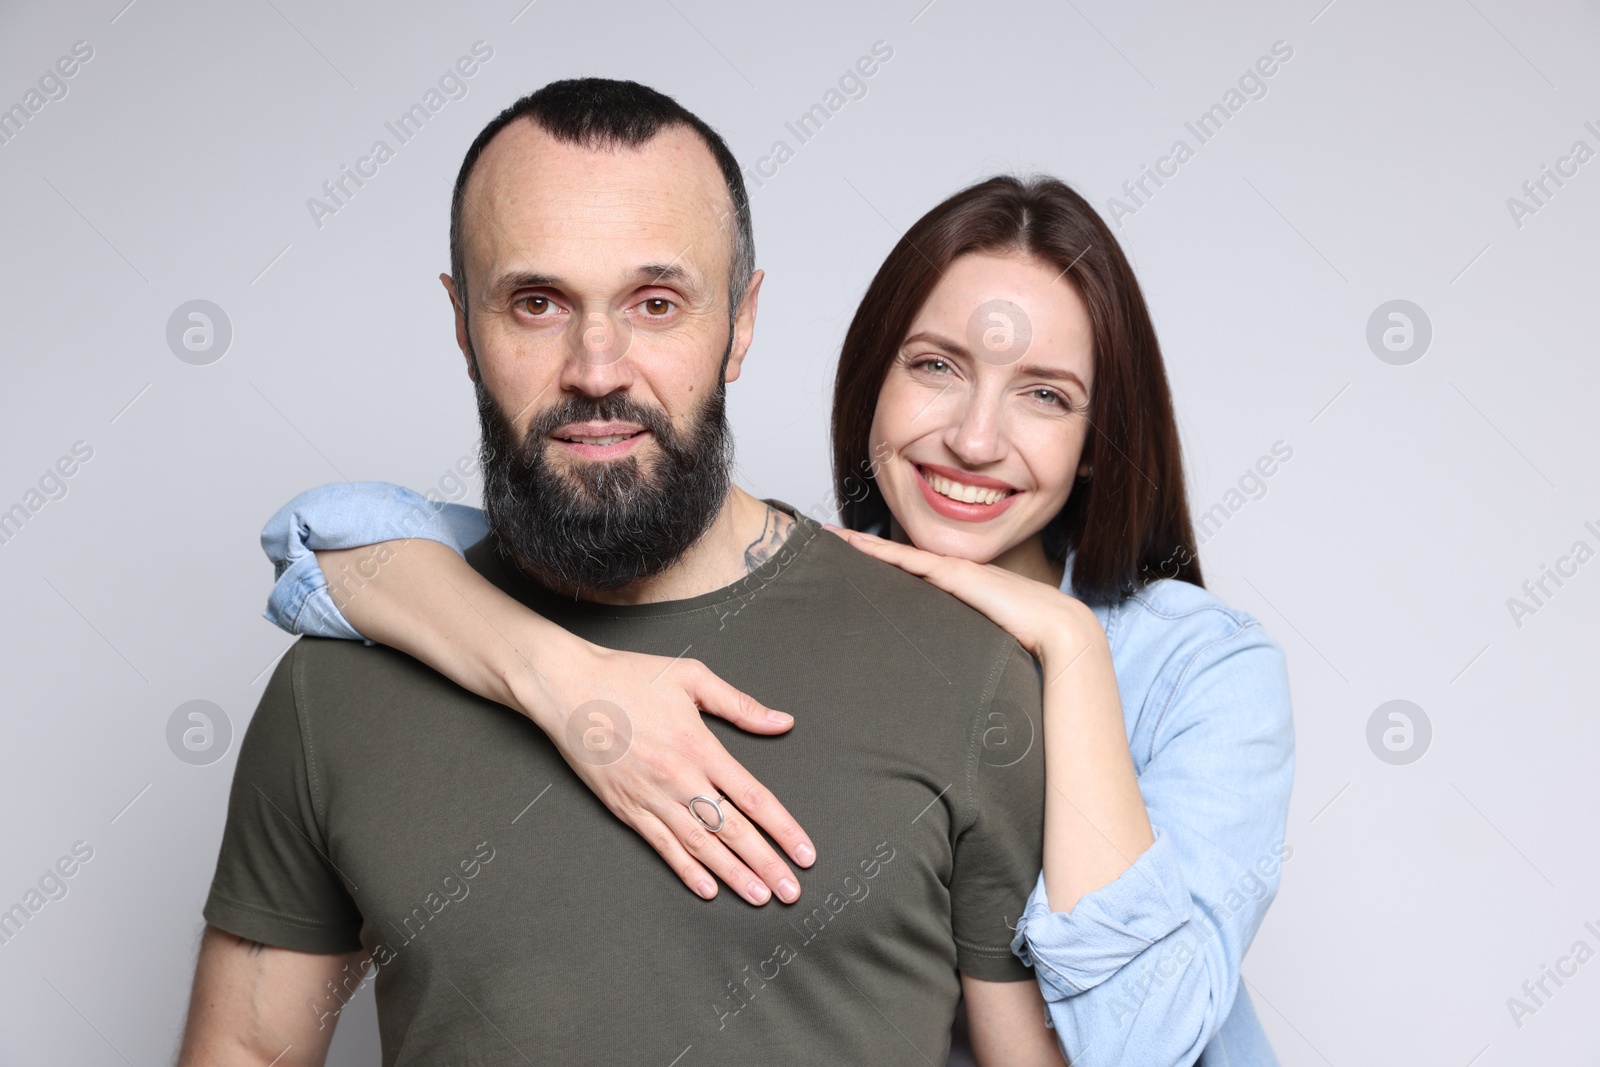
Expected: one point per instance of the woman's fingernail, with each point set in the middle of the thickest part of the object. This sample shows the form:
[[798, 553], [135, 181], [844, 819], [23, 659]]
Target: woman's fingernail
[[805, 855], [759, 893], [780, 718], [788, 892], [706, 890]]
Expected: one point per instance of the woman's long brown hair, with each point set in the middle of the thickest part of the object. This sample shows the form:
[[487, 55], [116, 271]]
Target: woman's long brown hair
[[1128, 522]]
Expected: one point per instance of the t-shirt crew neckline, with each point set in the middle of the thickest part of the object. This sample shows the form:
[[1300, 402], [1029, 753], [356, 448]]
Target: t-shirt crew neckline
[[533, 592]]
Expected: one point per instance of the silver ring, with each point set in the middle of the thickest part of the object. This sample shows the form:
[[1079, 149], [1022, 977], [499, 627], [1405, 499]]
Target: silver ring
[[715, 802]]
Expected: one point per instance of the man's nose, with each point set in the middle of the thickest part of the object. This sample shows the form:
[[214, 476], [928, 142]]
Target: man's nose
[[596, 360]]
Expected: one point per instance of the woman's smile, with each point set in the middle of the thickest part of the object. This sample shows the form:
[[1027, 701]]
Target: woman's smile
[[962, 495]]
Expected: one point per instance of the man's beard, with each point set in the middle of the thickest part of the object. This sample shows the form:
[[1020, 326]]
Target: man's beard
[[603, 525]]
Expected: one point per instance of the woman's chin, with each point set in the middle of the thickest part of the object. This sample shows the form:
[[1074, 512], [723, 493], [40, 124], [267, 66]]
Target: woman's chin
[[947, 538]]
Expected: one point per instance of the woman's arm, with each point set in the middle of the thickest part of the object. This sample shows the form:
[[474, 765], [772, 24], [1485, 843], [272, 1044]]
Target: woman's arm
[[420, 596], [1006, 1021], [1095, 822], [1147, 968]]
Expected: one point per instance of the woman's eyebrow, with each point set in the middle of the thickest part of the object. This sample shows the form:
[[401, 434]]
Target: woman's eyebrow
[[1030, 370], [938, 341], [1033, 370]]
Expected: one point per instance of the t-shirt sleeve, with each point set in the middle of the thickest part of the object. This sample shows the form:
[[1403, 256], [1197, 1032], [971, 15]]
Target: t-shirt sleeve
[[275, 882], [1000, 849]]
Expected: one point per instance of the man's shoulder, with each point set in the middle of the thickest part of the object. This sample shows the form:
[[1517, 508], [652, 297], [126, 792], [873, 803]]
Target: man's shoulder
[[310, 653], [933, 621], [850, 566], [362, 706], [325, 672]]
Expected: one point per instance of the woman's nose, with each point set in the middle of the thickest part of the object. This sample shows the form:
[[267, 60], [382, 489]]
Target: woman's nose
[[978, 436]]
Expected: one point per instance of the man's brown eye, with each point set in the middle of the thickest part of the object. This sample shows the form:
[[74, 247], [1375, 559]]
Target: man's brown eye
[[536, 305], [657, 306]]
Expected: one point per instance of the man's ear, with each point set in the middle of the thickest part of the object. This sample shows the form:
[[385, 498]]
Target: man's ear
[[744, 326], [461, 324]]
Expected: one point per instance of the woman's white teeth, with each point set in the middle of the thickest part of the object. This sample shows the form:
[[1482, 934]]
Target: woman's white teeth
[[967, 494]]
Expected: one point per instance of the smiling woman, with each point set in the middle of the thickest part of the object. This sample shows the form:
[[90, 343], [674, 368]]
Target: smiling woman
[[1085, 395], [966, 426]]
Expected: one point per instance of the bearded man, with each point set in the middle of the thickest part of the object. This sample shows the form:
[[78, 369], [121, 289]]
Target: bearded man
[[382, 823]]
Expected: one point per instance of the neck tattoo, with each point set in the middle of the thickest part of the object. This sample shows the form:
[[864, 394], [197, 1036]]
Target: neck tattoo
[[775, 529]]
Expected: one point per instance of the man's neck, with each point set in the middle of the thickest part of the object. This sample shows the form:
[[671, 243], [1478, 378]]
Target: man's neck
[[745, 534]]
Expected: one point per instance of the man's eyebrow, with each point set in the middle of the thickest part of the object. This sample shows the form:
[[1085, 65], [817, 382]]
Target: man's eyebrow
[[653, 273], [511, 281], [670, 274], [1030, 370]]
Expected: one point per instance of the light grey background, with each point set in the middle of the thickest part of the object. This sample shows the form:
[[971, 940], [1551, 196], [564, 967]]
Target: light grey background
[[1418, 499]]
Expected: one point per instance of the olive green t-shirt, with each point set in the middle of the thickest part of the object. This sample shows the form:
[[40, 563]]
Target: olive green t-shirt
[[510, 918]]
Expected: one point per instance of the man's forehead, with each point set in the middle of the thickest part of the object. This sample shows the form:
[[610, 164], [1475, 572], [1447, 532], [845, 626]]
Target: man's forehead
[[532, 196]]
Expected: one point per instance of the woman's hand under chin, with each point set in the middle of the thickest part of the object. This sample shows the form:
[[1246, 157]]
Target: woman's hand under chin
[[1051, 626]]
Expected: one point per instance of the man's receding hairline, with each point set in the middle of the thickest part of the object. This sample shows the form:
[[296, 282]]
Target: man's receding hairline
[[597, 144]]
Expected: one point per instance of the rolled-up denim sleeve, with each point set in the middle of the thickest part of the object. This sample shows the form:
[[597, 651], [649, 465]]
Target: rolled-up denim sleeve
[[1072, 952], [1146, 969], [348, 515]]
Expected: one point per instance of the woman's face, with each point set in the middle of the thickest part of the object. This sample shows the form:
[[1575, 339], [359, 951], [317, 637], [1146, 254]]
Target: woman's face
[[985, 407]]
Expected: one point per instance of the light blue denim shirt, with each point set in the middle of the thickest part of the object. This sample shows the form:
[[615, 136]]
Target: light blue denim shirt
[[1145, 970], [1142, 971]]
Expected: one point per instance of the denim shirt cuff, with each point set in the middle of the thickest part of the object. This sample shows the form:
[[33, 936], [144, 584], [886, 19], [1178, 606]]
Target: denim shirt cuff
[[1072, 952], [300, 603], [346, 516]]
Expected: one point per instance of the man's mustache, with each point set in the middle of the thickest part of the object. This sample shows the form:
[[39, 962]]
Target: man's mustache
[[614, 407]]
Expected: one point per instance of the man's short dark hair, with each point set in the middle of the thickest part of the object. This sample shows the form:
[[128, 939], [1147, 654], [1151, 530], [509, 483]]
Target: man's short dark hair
[[603, 113]]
